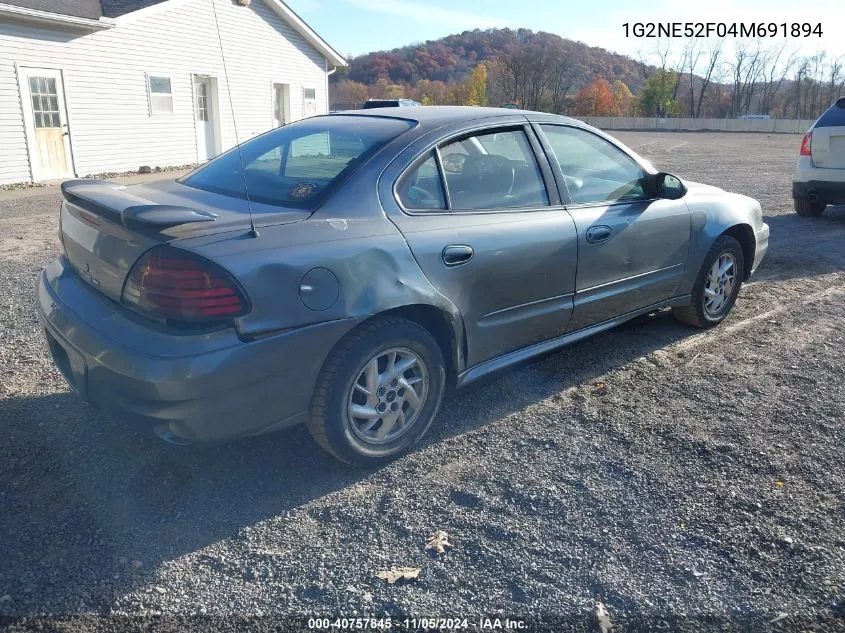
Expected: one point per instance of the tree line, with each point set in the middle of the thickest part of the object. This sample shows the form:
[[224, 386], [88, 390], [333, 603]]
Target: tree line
[[538, 71]]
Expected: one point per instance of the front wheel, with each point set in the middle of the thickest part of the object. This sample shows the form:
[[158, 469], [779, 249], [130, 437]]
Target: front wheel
[[716, 286], [378, 392]]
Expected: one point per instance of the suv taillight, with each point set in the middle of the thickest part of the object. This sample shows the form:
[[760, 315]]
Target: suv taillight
[[807, 144], [172, 285]]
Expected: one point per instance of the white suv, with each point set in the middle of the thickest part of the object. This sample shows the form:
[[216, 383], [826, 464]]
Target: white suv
[[820, 172]]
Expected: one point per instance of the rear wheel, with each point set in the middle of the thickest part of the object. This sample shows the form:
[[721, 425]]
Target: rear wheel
[[716, 286], [808, 208], [378, 392]]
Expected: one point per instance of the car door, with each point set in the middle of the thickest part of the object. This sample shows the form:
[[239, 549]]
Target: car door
[[632, 247], [489, 233]]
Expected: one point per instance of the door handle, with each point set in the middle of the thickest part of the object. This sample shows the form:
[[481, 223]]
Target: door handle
[[598, 234], [457, 254]]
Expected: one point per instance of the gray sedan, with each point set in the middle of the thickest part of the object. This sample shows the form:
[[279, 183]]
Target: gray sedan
[[343, 270]]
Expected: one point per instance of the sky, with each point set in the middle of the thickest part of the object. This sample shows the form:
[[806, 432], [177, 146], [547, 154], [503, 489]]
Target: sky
[[354, 27]]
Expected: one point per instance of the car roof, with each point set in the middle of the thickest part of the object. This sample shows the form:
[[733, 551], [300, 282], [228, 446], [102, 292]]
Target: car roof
[[436, 116]]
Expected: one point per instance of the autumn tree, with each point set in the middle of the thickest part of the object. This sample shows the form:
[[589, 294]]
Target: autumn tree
[[459, 93], [430, 92], [497, 84], [383, 89], [655, 99], [595, 99], [348, 95], [478, 86], [561, 79], [623, 100]]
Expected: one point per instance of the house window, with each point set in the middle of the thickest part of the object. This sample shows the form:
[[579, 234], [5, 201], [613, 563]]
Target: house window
[[45, 102], [160, 93], [309, 102], [202, 101]]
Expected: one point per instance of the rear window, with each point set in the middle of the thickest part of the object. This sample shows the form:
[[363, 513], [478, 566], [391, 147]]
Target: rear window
[[298, 165], [834, 117], [380, 104]]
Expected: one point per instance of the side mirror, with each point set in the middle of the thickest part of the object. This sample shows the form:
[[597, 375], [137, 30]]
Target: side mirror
[[669, 186]]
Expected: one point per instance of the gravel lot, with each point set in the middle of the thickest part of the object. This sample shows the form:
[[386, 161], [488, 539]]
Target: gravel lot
[[703, 487]]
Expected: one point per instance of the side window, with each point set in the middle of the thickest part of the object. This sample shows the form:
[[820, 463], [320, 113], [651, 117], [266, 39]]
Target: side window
[[494, 170], [422, 189], [594, 169]]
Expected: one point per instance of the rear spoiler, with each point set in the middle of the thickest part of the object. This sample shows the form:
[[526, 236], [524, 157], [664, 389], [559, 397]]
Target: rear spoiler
[[111, 200]]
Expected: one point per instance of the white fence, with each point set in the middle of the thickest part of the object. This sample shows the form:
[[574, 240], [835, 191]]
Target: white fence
[[777, 126]]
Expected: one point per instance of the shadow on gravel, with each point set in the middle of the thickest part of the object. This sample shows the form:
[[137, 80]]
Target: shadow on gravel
[[89, 508], [804, 247]]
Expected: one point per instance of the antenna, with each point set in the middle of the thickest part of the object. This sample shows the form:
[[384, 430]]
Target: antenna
[[252, 230]]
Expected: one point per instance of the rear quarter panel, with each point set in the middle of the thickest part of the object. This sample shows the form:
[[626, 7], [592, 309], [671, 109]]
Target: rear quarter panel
[[371, 271]]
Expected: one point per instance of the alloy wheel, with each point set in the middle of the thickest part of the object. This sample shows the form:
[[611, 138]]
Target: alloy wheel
[[720, 284], [388, 395]]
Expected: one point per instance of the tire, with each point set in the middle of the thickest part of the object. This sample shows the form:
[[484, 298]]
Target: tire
[[702, 312], [809, 209], [348, 438]]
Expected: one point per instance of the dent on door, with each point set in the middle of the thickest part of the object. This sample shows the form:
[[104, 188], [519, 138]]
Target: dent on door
[[511, 275], [630, 256]]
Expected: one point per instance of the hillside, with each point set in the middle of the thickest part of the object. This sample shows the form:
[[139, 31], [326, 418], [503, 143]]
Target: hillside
[[451, 59], [543, 71]]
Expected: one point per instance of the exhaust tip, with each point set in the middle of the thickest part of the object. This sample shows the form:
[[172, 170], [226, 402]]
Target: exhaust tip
[[170, 433]]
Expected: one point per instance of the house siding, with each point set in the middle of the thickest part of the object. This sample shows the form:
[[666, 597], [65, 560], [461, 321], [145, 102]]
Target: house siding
[[106, 92]]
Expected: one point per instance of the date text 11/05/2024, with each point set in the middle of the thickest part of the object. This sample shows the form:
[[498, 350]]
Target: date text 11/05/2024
[[722, 29]]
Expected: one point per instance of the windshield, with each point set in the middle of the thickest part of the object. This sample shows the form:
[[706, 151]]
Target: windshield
[[297, 165]]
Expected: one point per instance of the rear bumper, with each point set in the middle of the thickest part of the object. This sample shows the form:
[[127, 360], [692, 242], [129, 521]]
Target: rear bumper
[[201, 387], [826, 191]]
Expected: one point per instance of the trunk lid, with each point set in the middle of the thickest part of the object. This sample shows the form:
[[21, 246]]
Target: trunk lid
[[828, 145], [105, 227]]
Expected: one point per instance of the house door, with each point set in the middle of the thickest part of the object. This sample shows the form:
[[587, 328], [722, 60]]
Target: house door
[[281, 105], [47, 127], [204, 115]]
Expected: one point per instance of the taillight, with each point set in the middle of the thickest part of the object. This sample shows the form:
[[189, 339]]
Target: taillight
[[169, 284], [807, 144]]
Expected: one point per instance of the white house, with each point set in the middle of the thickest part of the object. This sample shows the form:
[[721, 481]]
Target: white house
[[92, 86]]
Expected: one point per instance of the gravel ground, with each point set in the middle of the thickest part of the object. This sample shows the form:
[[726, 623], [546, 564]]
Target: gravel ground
[[109, 175], [686, 480]]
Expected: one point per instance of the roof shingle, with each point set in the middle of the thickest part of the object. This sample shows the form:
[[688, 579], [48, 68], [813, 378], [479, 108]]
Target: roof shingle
[[116, 8], [91, 9]]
